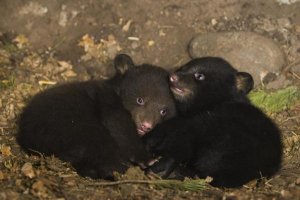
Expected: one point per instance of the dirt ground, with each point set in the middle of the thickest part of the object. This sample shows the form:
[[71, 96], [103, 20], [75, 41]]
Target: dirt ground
[[43, 43]]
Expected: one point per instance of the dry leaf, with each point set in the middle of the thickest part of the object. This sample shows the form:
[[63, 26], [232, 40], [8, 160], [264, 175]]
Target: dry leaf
[[208, 179], [39, 189], [8, 164], [27, 170], [1, 175], [69, 73], [86, 42], [127, 26], [47, 82], [21, 41], [38, 185], [162, 33], [18, 182], [65, 65], [5, 150]]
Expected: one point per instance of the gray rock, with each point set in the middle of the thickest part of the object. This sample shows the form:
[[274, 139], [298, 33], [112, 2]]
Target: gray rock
[[296, 68], [280, 82], [246, 51]]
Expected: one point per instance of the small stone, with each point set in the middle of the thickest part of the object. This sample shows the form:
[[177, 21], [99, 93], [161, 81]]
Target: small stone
[[151, 43], [284, 22], [135, 44], [246, 51], [214, 22], [297, 181]]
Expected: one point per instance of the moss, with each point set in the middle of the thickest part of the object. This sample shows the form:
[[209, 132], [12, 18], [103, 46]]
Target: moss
[[275, 101]]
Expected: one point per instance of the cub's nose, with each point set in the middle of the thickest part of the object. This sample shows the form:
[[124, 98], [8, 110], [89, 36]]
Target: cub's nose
[[173, 78], [146, 126]]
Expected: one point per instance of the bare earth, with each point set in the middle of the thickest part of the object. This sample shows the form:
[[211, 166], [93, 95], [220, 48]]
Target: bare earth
[[48, 42]]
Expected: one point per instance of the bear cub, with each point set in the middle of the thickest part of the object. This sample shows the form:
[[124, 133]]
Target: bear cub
[[217, 132], [96, 125]]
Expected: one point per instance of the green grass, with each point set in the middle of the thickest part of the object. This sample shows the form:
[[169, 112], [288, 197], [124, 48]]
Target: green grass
[[8, 83]]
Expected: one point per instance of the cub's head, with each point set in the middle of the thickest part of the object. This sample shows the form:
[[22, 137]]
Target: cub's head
[[145, 93], [207, 81]]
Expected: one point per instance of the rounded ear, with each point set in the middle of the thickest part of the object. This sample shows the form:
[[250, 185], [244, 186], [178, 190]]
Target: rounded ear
[[122, 63], [244, 82]]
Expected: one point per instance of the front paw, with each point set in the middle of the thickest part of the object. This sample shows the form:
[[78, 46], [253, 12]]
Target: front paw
[[163, 167]]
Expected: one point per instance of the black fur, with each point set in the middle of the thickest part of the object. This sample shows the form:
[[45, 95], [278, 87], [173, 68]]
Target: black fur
[[218, 133], [87, 123]]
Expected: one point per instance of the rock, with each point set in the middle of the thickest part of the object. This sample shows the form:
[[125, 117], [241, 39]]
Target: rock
[[280, 82], [246, 51], [287, 1]]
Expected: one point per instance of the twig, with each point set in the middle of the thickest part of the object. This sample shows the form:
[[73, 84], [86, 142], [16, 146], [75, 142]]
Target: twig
[[189, 184], [287, 68], [296, 75], [148, 182], [37, 152], [290, 118]]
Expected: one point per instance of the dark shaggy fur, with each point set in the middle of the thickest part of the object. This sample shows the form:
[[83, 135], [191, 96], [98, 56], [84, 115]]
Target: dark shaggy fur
[[218, 133], [91, 125]]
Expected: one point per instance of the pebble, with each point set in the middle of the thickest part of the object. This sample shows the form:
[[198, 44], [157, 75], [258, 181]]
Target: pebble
[[246, 51], [135, 44], [214, 22], [284, 22]]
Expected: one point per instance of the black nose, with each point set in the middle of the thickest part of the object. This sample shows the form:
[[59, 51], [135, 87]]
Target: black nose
[[173, 78]]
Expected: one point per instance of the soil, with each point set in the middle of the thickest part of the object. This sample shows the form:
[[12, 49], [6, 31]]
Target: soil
[[49, 42]]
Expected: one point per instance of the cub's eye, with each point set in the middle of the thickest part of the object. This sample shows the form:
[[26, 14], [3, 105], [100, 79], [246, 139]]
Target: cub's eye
[[140, 101], [199, 76], [163, 112]]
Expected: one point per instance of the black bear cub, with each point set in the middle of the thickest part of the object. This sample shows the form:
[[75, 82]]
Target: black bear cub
[[96, 125], [217, 132]]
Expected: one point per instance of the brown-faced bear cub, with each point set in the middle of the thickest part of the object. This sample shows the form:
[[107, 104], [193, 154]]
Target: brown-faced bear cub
[[217, 132], [95, 125]]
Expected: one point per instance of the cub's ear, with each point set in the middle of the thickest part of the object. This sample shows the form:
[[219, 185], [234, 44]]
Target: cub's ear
[[122, 63], [244, 82]]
